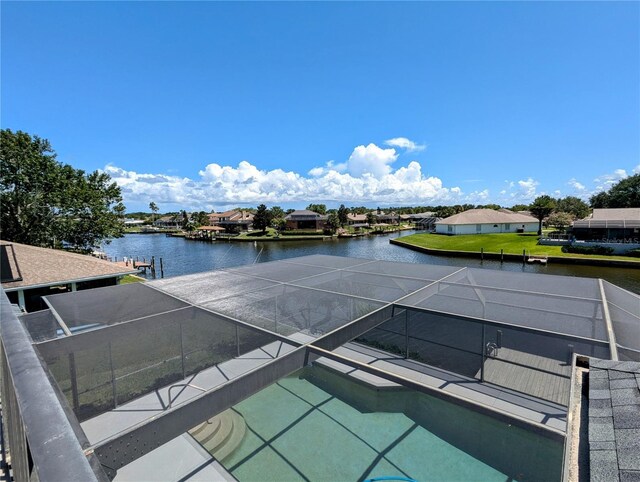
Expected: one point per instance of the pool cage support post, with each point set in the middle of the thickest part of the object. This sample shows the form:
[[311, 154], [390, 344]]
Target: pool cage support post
[[114, 391], [74, 380], [406, 333], [184, 372], [237, 341], [484, 351]]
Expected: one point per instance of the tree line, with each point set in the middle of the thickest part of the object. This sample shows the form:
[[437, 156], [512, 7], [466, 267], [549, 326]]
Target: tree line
[[47, 203]]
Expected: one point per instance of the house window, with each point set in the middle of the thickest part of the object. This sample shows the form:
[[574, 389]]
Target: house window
[[507, 226], [449, 229], [478, 228]]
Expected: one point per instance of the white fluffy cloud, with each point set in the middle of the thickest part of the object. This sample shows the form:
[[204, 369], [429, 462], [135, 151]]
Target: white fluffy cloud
[[366, 177], [576, 185], [371, 160], [522, 191], [404, 143]]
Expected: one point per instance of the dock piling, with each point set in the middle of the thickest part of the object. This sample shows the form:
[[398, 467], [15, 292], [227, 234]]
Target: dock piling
[[161, 269]]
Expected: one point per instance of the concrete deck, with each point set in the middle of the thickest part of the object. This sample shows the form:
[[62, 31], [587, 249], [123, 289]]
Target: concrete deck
[[129, 414], [541, 412]]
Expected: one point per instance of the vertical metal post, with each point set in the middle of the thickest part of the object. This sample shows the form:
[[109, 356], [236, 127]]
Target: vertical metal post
[[74, 380], [524, 257], [184, 371], [238, 339], [113, 379], [406, 333], [484, 351], [570, 357], [481, 254], [161, 269], [275, 316], [502, 256]]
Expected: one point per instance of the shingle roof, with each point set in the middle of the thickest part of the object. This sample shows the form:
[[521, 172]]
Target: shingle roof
[[487, 216], [44, 266], [614, 420]]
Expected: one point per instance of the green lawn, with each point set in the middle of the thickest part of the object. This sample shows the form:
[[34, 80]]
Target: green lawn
[[130, 278], [511, 243], [272, 235]]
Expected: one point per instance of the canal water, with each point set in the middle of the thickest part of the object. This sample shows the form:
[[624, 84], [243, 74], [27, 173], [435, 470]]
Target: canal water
[[181, 256]]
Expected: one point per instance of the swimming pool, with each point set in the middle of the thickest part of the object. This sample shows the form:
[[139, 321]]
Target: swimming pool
[[318, 425]]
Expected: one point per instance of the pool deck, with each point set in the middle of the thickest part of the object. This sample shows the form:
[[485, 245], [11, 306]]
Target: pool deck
[[547, 414], [195, 463]]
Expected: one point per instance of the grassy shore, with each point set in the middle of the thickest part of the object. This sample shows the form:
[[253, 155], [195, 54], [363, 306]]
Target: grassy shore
[[511, 243], [272, 235], [131, 278]]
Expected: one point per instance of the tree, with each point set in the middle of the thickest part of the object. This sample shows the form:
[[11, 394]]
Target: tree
[[277, 212], [560, 220], [46, 203], [495, 207], [200, 219], [342, 215], [262, 218], [333, 223], [317, 208], [573, 205], [371, 219], [623, 194], [154, 210], [520, 207], [540, 208]]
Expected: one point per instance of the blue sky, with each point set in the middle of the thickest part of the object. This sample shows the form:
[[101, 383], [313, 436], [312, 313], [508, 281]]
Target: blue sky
[[208, 105]]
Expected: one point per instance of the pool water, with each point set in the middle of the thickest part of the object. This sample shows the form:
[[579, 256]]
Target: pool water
[[317, 425]]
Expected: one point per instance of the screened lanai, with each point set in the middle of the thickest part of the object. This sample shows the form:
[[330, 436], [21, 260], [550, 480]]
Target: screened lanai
[[141, 365]]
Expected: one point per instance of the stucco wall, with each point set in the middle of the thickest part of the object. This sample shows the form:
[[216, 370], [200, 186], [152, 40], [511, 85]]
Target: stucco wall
[[486, 228]]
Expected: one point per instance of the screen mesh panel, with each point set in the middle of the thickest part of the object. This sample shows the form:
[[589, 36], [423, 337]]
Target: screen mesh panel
[[326, 261], [564, 315], [533, 282], [427, 272], [278, 271], [624, 310], [41, 325], [113, 304], [287, 309], [382, 288], [204, 287]]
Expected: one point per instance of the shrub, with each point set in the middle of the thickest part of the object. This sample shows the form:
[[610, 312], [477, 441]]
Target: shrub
[[602, 250]]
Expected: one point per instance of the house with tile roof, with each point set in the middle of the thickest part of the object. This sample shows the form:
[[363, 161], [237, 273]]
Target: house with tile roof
[[485, 221]]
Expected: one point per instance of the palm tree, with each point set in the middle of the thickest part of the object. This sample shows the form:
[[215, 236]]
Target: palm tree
[[154, 209]]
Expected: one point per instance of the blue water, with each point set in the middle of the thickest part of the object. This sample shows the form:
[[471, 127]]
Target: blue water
[[181, 256], [319, 426]]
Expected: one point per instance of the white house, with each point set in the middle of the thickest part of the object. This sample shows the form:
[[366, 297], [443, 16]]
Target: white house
[[484, 221]]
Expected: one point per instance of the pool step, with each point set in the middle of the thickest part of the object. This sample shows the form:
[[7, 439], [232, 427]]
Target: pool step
[[222, 434]]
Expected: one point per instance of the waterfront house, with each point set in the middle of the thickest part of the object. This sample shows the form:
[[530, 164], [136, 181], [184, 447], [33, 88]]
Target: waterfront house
[[613, 225], [30, 272], [170, 222], [232, 221], [383, 217], [357, 221], [305, 219], [484, 221]]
